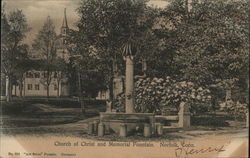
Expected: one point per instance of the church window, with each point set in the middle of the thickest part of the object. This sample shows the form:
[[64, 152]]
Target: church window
[[29, 86], [29, 75], [37, 87], [55, 87], [45, 75], [37, 75]]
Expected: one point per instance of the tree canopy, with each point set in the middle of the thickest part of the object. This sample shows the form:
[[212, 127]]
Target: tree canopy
[[199, 41], [211, 39], [13, 51]]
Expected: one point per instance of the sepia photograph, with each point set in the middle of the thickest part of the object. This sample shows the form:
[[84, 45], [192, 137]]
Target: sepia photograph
[[124, 79]]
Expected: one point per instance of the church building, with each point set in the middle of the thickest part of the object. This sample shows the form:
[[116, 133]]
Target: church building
[[33, 82]]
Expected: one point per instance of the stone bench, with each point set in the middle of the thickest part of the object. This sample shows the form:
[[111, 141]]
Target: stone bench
[[182, 120]]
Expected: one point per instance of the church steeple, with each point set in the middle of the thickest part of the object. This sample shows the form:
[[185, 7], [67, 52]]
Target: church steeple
[[64, 28]]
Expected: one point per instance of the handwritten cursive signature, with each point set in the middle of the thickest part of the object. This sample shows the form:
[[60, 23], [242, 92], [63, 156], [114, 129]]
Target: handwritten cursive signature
[[185, 151]]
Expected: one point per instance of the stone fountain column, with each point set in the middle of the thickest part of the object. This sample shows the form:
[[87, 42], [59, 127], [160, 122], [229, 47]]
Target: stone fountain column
[[129, 89]]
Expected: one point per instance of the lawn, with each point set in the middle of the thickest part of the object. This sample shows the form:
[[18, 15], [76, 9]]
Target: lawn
[[64, 117]]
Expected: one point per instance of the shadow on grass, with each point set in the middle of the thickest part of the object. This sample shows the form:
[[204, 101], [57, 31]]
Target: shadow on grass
[[23, 113], [27, 105], [211, 120]]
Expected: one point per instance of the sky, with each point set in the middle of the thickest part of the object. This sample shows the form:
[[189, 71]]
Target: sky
[[36, 12]]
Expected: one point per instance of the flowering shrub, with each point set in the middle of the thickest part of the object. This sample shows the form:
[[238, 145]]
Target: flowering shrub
[[236, 109], [159, 94]]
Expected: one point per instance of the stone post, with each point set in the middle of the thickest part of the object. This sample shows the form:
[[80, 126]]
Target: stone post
[[159, 130], [108, 106], [90, 128], [95, 126], [123, 130], [101, 129], [147, 130], [247, 119], [184, 115], [129, 84]]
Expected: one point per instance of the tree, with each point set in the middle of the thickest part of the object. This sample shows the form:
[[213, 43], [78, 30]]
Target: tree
[[13, 29], [24, 65], [45, 43], [80, 64], [101, 29], [60, 70]]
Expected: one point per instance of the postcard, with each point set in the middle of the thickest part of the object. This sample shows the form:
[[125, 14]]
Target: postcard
[[124, 79]]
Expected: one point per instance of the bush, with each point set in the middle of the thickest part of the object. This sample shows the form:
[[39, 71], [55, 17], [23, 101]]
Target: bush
[[159, 94], [235, 109]]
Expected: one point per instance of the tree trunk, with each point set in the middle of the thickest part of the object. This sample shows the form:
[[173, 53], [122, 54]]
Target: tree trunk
[[47, 92], [10, 89], [21, 86], [58, 90], [111, 82], [144, 67], [7, 89], [15, 89], [21, 89], [247, 90], [111, 96], [80, 93]]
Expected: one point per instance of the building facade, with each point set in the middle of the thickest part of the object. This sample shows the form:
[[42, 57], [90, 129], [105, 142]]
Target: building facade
[[34, 85]]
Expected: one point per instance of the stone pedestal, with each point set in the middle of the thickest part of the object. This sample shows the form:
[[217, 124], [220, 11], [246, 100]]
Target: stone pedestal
[[184, 115], [129, 96]]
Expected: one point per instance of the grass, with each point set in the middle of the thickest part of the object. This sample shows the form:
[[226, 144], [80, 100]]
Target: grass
[[35, 113]]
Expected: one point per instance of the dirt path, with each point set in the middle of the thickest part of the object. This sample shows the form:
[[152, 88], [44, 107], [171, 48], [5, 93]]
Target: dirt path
[[207, 146]]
